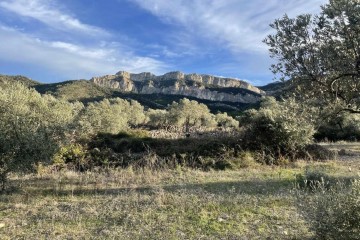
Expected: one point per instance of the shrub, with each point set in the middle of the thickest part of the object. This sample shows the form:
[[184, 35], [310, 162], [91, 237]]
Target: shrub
[[158, 118], [126, 148], [71, 156], [223, 120], [313, 179], [244, 159], [343, 126], [334, 213], [278, 128], [190, 113]]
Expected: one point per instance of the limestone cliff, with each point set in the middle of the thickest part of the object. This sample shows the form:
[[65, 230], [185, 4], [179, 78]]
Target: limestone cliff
[[177, 83]]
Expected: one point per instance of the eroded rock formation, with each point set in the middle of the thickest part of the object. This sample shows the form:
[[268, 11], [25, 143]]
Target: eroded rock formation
[[177, 83]]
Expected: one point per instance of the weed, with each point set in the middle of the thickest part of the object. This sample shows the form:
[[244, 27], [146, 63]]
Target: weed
[[333, 213]]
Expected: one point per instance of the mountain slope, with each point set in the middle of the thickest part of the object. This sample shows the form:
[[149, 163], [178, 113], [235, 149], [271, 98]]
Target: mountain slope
[[18, 78], [86, 91], [75, 90]]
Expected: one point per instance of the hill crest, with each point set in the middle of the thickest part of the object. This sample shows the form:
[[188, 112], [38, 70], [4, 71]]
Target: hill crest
[[200, 86]]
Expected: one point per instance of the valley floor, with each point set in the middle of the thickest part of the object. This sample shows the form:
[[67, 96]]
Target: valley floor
[[256, 203]]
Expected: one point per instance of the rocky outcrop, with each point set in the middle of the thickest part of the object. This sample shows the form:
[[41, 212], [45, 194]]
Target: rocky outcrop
[[177, 83], [115, 81]]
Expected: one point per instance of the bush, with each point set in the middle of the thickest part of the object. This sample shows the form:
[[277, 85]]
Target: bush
[[244, 159], [110, 116], [278, 128], [190, 113], [71, 156], [126, 148], [343, 126], [313, 179], [334, 213]]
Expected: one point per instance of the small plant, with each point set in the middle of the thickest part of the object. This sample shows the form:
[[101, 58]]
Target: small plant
[[244, 160], [73, 155], [313, 179], [335, 213]]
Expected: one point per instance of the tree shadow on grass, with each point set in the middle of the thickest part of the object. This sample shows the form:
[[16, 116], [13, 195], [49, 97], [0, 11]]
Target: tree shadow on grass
[[254, 187], [49, 187]]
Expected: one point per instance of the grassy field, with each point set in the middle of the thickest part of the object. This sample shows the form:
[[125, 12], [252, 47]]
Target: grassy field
[[256, 203]]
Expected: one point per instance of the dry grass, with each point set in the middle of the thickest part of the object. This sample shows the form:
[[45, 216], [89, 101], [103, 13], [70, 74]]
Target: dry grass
[[255, 203], [348, 146]]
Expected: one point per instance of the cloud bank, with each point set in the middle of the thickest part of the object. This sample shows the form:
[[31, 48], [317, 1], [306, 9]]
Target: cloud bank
[[47, 12], [239, 25], [70, 59]]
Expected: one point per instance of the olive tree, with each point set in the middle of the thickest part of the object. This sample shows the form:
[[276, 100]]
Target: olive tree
[[189, 113], [31, 127], [110, 116], [158, 118], [226, 121], [136, 114], [320, 54]]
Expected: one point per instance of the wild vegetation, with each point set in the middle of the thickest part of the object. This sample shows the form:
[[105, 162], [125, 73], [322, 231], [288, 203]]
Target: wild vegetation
[[79, 161], [95, 170], [258, 202]]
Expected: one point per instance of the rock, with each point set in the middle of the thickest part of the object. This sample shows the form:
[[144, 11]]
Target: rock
[[342, 152], [177, 83]]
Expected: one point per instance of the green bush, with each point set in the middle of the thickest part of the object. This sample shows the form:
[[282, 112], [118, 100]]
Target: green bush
[[71, 156], [334, 213], [110, 116], [343, 126], [190, 113], [278, 128], [313, 179]]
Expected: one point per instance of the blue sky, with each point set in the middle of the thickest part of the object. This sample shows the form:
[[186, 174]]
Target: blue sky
[[58, 40]]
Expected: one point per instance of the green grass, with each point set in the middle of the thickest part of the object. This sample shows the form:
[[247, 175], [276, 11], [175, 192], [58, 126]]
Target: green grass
[[255, 203]]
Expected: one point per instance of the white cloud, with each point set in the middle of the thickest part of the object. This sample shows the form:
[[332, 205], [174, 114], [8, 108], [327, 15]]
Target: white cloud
[[70, 60], [98, 56], [238, 25], [46, 11], [82, 51]]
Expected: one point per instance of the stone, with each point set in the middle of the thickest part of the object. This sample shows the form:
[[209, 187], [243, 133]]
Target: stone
[[177, 83]]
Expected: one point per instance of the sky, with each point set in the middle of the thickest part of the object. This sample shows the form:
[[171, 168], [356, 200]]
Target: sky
[[58, 40]]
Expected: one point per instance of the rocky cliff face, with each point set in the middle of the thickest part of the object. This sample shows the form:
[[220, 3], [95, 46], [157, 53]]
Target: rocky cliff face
[[177, 83]]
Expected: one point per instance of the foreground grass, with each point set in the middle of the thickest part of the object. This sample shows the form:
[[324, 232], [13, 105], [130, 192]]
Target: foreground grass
[[255, 203]]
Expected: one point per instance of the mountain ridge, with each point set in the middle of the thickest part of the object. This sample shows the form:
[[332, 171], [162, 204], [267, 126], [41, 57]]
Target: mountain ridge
[[201, 86]]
